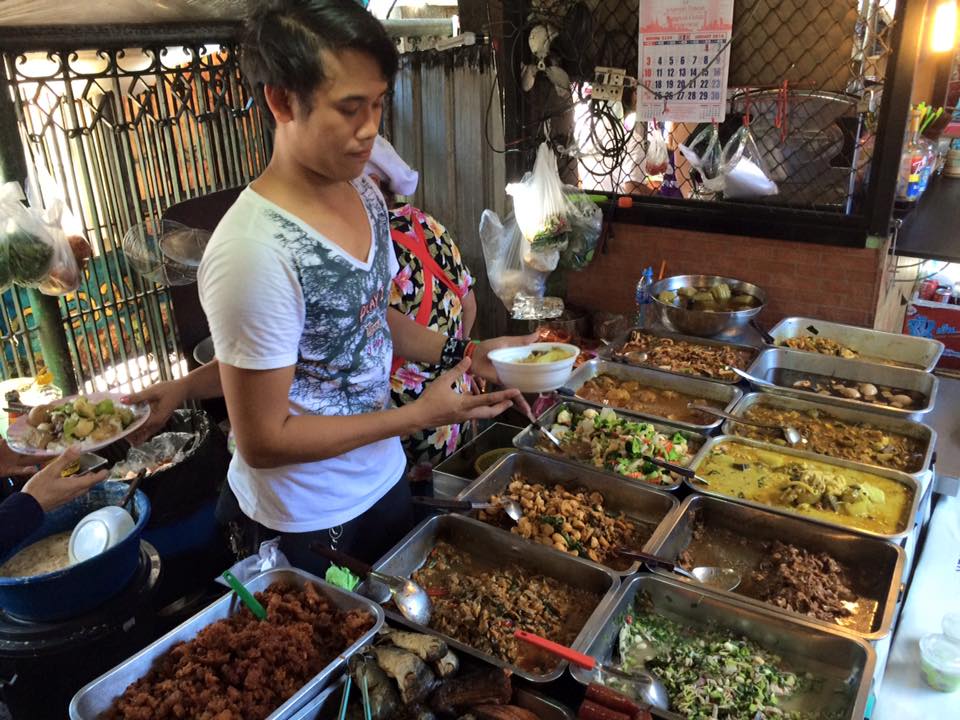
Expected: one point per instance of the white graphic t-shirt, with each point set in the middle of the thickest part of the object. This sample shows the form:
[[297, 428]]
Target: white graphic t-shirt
[[277, 293]]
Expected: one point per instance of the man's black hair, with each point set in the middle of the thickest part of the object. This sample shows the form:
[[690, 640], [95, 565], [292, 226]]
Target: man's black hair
[[282, 40]]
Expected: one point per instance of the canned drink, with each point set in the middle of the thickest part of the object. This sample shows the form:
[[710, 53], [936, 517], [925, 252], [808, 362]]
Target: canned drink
[[943, 294], [928, 289]]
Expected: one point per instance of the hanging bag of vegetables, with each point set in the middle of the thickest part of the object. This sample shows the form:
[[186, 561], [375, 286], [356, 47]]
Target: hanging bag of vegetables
[[543, 212], [28, 244]]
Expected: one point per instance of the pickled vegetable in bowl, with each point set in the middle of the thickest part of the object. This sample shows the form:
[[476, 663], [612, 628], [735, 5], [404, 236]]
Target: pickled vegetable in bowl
[[546, 356], [716, 298]]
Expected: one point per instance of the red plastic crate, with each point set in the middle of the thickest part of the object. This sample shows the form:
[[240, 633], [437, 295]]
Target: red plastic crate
[[938, 321]]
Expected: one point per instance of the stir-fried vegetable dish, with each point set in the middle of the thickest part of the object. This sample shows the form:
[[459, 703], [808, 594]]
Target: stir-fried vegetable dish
[[710, 672], [606, 440]]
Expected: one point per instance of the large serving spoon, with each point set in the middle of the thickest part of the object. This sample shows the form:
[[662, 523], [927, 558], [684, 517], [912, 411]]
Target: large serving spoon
[[647, 687], [790, 434], [752, 379], [510, 507], [674, 468], [721, 578], [411, 599]]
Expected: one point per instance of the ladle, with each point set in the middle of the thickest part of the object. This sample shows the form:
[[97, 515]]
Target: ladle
[[790, 434], [510, 507], [647, 687], [720, 578], [411, 599]]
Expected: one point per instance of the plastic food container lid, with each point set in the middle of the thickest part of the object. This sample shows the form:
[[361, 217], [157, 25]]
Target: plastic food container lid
[[951, 626], [941, 652]]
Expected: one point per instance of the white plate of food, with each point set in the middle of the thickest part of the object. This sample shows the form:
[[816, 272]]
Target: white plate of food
[[89, 421]]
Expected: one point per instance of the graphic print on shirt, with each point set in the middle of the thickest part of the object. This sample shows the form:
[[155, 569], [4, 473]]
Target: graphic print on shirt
[[345, 350]]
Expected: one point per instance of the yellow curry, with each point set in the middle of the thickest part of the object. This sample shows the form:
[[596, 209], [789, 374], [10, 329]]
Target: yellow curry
[[546, 356], [826, 492]]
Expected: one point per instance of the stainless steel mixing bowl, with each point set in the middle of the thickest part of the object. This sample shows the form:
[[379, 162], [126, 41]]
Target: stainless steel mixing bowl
[[703, 323]]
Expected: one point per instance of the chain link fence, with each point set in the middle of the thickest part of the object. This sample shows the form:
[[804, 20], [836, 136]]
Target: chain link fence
[[805, 74]]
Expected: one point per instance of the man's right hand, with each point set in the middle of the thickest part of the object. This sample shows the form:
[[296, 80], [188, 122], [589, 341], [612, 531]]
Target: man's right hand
[[163, 398], [442, 404]]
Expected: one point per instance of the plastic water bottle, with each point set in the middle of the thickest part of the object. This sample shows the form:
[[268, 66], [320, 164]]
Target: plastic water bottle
[[643, 296]]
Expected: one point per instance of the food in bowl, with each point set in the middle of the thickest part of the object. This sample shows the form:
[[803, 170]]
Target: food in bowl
[[829, 435], [56, 427], [608, 441], [715, 298], [46, 555], [853, 498], [546, 355], [540, 367]]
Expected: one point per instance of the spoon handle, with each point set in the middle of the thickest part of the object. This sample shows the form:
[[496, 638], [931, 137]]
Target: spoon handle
[[767, 337], [732, 418], [649, 559], [577, 658], [678, 469], [339, 558], [245, 596], [447, 504]]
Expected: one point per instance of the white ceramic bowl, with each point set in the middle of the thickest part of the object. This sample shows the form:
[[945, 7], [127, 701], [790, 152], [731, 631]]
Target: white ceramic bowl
[[99, 531], [533, 377]]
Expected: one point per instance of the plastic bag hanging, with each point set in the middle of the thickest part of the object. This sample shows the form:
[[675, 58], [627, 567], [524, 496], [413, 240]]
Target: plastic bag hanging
[[704, 155], [586, 224], [503, 246], [656, 160], [72, 248], [28, 245], [745, 174], [542, 211]]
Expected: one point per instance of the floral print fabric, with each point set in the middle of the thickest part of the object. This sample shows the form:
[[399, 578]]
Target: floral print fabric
[[446, 316]]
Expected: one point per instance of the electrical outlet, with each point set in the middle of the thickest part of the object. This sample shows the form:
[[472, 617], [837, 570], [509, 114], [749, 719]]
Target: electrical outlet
[[608, 84]]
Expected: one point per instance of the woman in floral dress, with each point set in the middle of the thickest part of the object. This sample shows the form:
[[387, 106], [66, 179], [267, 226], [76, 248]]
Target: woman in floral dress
[[433, 287]]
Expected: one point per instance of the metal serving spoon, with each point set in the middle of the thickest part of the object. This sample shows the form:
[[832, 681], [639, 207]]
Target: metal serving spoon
[[790, 434], [546, 433], [647, 687], [751, 378], [510, 507], [720, 578], [411, 599]]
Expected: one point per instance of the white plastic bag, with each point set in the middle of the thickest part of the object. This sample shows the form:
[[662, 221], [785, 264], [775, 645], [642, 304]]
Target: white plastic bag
[[656, 161], [503, 247], [745, 174], [704, 153], [269, 557], [542, 211]]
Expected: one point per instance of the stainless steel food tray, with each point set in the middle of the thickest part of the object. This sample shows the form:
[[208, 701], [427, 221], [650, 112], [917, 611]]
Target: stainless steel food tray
[[873, 345], [842, 660], [528, 440], [456, 472], [868, 557], [631, 499], [96, 697], [491, 545], [854, 370], [686, 384], [902, 478], [909, 428], [326, 705], [609, 352]]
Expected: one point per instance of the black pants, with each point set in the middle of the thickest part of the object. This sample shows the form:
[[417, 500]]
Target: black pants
[[367, 537]]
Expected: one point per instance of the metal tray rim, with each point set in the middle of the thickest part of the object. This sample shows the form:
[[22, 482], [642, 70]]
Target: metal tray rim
[[485, 479], [886, 621], [584, 637], [597, 366], [523, 440], [908, 480], [606, 353], [870, 657], [296, 701], [936, 346], [754, 398], [838, 401]]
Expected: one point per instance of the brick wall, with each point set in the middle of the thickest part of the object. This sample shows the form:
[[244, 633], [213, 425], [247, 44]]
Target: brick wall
[[828, 283]]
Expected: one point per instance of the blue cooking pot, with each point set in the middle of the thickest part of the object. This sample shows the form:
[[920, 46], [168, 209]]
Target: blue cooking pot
[[78, 588]]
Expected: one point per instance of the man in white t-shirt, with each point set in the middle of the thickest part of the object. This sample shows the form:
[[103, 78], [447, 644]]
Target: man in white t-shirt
[[295, 284]]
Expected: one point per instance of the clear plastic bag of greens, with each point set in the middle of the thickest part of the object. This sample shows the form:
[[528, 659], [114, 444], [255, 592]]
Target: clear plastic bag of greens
[[543, 211], [503, 252], [25, 238], [744, 170], [586, 224]]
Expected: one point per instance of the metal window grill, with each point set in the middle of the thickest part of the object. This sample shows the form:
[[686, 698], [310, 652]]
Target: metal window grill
[[126, 132], [815, 137]]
